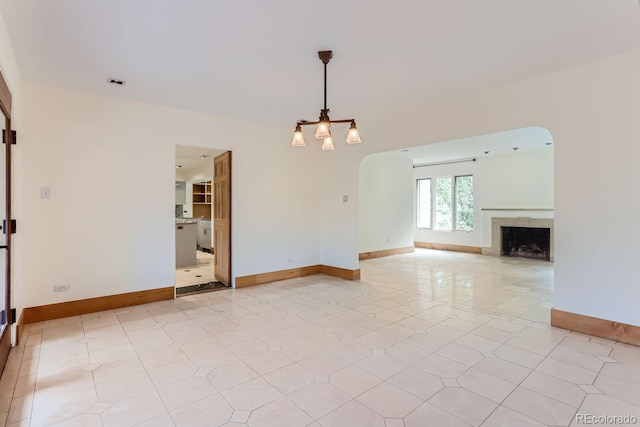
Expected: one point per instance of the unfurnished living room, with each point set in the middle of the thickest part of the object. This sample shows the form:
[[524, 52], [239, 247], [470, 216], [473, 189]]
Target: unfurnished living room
[[419, 213]]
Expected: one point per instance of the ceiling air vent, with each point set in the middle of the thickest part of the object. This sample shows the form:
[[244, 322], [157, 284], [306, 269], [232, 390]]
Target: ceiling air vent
[[115, 81]]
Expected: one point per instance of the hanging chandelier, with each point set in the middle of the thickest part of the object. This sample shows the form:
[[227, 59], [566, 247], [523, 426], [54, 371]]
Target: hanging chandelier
[[323, 131]]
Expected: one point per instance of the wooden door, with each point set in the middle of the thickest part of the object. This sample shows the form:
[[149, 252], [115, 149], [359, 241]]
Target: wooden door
[[222, 217], [7, 229]]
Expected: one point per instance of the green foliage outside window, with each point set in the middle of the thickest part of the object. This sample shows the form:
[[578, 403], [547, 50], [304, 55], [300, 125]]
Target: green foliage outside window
[[464, 202], [424, 203], [446, 200], [443, 203]]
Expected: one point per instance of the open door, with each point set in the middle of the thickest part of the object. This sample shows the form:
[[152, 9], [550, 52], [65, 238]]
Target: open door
[[222, 217], [6, 224]]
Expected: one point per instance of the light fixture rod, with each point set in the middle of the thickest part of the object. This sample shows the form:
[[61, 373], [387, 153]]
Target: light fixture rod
[[330, 121], [325, 56], [449, 162], [325, 85]]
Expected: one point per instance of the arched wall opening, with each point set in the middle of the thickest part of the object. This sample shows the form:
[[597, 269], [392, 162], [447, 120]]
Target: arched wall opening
[[512, 175]]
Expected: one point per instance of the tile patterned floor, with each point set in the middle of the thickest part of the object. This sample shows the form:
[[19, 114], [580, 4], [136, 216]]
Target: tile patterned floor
[[425, 339], [201, 273]]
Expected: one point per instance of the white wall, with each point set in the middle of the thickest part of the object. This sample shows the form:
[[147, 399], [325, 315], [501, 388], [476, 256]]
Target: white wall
[[520, 180], [337, 225], [385, 203], [104, 235]]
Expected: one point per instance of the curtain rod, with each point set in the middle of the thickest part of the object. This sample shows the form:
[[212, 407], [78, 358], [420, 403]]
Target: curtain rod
[[472, 159]]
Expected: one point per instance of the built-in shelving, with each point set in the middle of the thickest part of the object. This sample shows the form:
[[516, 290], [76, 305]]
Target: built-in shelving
[[202, 199]]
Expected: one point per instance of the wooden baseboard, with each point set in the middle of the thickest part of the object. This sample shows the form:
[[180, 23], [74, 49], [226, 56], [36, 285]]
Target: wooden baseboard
[[92, 305], [19, 327], [343, 273], [622, 332], [386, 252], [274, 276], [445, 247]]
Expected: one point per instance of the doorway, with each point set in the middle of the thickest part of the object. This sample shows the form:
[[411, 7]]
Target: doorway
[[196, 205], [7, 225]]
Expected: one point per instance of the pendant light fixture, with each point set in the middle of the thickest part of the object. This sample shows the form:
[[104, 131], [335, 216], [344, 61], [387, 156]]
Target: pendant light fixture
[[323, 129]]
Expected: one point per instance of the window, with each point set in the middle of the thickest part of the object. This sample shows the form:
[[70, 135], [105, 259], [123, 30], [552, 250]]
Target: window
[[464, 202], [424, 203], [445, 203]]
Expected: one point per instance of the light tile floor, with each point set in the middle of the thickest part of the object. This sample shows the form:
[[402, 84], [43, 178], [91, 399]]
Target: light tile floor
[[425, 339], [198, 274]]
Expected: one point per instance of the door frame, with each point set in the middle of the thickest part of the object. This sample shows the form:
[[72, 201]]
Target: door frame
[[5, 107]]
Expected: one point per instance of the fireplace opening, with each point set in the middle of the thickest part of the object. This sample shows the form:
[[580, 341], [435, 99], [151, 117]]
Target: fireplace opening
[[527, 242]]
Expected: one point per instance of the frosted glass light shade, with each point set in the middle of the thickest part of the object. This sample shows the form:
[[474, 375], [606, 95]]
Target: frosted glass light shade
[[353, 137], [327, 145], [322, 131], [298, 138]]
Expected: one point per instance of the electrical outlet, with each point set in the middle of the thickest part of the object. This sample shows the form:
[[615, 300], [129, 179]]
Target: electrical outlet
[[61, 288]]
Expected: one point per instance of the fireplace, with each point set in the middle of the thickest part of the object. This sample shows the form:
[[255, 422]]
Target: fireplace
[[527, 242], [529, 250]]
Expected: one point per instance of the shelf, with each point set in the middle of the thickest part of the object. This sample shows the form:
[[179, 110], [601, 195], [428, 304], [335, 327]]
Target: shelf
[[202, 199]]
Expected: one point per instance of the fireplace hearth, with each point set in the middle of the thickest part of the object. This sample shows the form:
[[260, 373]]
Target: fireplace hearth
[[527, 242]]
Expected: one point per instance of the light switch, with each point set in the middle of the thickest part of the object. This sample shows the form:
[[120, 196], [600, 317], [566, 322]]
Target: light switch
[[345, 198], [45, 192]]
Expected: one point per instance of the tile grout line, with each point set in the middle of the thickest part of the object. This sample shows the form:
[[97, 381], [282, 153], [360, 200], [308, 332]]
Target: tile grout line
[[35, 385], [520, 384]]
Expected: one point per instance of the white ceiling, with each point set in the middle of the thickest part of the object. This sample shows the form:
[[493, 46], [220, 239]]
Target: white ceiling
[[256, 60], [495, 144], [194, 162]]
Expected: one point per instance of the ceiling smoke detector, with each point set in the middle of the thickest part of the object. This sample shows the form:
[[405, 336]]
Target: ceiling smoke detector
[[115, 81]]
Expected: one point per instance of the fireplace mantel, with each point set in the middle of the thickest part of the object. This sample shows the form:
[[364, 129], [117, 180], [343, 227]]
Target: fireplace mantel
[[518, 209], [497, 223]]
